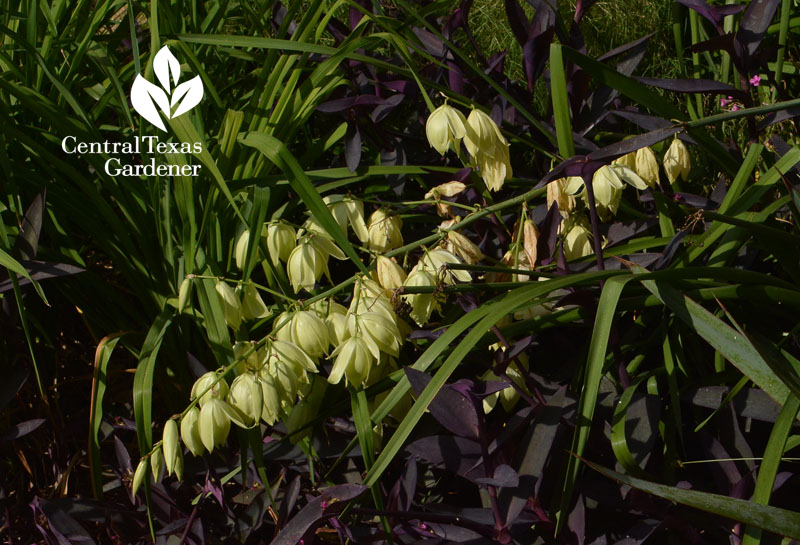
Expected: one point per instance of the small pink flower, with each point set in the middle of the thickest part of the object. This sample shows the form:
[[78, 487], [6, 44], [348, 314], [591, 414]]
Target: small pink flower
[[735, 107], [725, 101], [755, 80]]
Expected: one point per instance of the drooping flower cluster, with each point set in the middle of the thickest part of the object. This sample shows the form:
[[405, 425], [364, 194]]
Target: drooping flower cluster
[[485, 143]]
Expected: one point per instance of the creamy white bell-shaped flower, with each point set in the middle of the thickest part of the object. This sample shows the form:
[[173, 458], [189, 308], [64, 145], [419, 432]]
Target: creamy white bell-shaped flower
[[437, 261], [384, 231], [213, 386], [214, 424], [647, 166], [489, 149], [245, 396], [677, 162], [348, 211], [627, 160], [577, 242], [190, 431], [306, 330], [354, 359], [445, 126], [305, 265], [459, 245], [253, 306], [281, 240], [422, 304], [377, 327], [390, 275], [556, 193], [368, 296], [231, 305]]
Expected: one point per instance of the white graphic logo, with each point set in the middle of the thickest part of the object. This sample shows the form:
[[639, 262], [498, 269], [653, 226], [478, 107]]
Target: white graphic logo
[[145, 95]]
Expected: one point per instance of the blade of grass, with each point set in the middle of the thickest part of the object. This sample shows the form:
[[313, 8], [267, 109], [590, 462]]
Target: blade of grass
[[772, 519], [769, 465]]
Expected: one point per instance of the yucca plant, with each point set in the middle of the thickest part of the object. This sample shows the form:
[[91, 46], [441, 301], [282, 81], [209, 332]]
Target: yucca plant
[[383, 137]]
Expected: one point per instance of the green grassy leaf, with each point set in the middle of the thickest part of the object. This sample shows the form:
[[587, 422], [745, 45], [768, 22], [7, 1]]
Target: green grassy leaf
[[280, 155], [772, 519]]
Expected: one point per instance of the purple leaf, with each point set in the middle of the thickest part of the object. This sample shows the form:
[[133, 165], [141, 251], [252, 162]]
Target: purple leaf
[[382, 110], [534, 450], [342, 104], [548, 233], [40, 270], [517, 21], [669, 250], [329, 503], [352, 147], [28, 240], [754, 23], [451, 408], [289, 500], [714, 14], [21, 429], [619, 149], [457, 455], [693, 86], [695, 201], [123, 458], [504, 477]]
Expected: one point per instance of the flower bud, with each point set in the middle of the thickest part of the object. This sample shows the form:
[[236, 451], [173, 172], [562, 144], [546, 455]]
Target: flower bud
[[214, 424], [190, 431], [156, 463], [178, 467], [231, 306], [577, 242], [253, 306], [281, 240], [390, 275], [676, 161], [305, 266], [353, 360], [204, 384], [170, 444], [270, 399], [445, 126], [647, 165], [184, 293], [240, 250], [384, 232], [246, 396], [139, 475]]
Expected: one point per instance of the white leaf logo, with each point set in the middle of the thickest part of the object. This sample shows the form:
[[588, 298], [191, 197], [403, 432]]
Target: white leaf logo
[[145, 96]]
